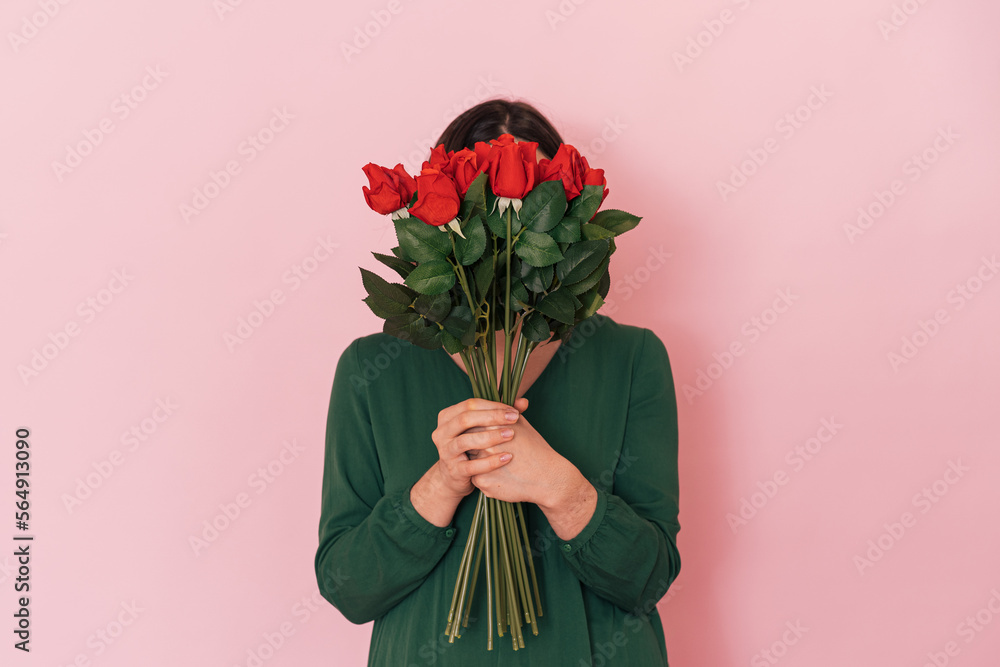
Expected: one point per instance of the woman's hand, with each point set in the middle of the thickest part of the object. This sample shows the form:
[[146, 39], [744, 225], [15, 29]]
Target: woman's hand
[[539, 474], [464, 432]]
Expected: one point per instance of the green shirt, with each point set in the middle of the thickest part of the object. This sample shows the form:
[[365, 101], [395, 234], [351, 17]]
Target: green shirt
[[606, 402]]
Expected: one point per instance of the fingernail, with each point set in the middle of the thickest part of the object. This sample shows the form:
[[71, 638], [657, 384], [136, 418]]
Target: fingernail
[[511, 416], [507, 432], [505, 457]]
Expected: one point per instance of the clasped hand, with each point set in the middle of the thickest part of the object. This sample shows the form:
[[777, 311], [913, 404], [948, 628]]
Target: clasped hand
[[491, 446]]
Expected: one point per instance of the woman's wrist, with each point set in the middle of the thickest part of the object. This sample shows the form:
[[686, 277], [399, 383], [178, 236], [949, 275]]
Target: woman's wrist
[[432, 499], [571, 506]]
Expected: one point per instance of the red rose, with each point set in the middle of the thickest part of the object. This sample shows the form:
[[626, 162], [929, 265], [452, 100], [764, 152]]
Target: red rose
[[438, 160], [594, 177], [512, 166], [567, 164], [390, 190], [463, 167], [482, 151], [437, 198]]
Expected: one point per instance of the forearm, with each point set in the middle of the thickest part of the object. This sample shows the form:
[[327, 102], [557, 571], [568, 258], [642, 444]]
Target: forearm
[[571, 504], [624, 557], [432, 500], [366, 569]]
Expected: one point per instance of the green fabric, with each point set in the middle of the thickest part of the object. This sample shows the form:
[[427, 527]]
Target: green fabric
[[606, 402]]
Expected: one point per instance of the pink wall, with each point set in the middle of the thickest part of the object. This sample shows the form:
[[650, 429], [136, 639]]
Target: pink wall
[[886, 106]]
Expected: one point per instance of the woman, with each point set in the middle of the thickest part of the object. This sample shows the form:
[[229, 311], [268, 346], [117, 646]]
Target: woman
[[590, 446]]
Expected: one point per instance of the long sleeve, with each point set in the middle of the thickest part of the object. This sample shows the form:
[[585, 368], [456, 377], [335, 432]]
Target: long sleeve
[[627, 553], [374, 548]]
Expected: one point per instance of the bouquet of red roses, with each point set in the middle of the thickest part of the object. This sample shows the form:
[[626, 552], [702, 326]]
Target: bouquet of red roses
[[491, 238]]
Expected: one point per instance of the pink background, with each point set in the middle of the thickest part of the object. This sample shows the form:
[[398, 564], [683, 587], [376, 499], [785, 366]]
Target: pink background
[[670, 100]]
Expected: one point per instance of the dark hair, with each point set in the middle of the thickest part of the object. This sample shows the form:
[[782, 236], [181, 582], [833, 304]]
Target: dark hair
[[488, 120]]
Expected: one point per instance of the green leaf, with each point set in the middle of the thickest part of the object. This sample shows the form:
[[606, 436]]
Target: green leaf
[[567, 231], [497, 226], [592, 279], [591, 301], [393, 325], [460, 324], [591, 231], [414, 328], [383, 307], [616, 221], [376, 285], [535, 327], [536, 279], [518, 295], [563, 332], [543, 207], [451, 344], [537, 249], [604, 284], [432, 277], [400, 266], [498, 223], [421, 241], [475, 198], [580, 259], [470, 249], [434, 307], [483, 274], [586, 204], [398, 252], [560, 305]]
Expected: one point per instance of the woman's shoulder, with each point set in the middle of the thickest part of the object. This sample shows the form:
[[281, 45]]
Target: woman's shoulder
[[376, 350], [609, 334]]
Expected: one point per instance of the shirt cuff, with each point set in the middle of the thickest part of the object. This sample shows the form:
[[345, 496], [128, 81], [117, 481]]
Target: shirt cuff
[[404, 506], [570, 547]]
